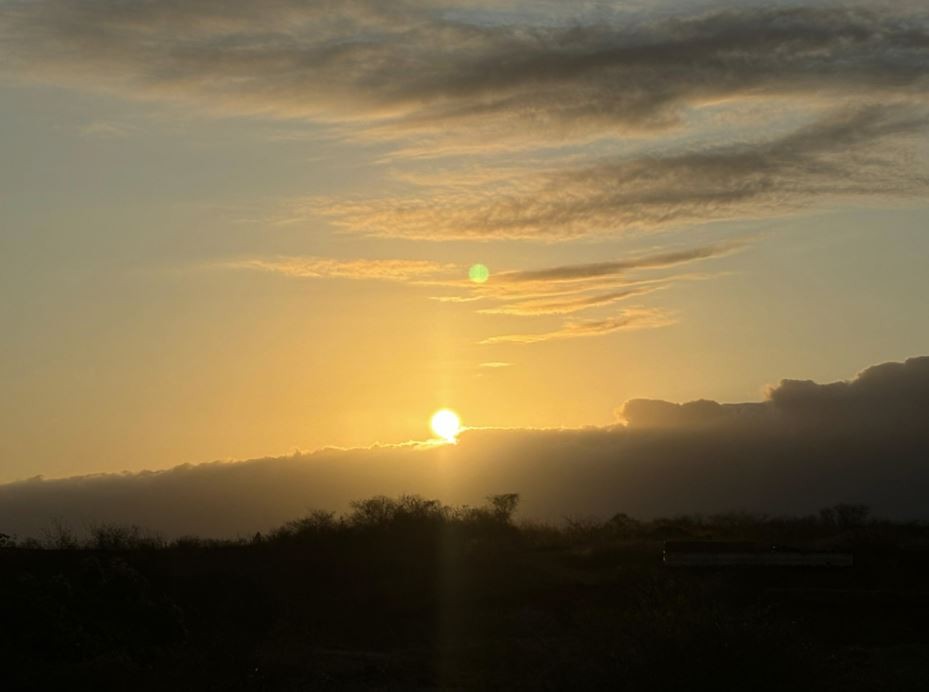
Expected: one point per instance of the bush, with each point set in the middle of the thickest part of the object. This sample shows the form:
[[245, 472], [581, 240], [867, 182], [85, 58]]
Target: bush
[[316, 523], [59, 536], [504, 506], [384, 512], [113, 537]]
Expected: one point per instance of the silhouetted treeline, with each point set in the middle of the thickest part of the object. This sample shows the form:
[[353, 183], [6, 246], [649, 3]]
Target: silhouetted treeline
[[407, 593], [843, 524]]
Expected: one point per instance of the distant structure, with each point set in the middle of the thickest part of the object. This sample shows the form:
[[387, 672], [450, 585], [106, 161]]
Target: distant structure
[[735, 554]]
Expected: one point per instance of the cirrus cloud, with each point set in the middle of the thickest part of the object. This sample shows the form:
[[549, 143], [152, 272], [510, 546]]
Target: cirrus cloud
[[327, 267], [628, 320], [558, 290], [863, 152]]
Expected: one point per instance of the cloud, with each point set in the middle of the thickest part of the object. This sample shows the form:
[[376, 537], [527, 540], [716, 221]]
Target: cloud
[[891, 396], [327, 267], [627, 320], [580, 278], [564, 307], [437, 76], [806, 446], [659, 260], [442, 67], [106, 129], [642, 414], [496, 365], [431, 273], [456, 299], [864, 152], [557, 290]]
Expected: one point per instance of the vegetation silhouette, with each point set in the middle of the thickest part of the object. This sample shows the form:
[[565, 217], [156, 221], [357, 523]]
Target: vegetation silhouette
[[407, 593]]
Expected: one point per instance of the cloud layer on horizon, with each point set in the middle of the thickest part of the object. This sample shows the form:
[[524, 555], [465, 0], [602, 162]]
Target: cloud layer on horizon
[[806, 446]]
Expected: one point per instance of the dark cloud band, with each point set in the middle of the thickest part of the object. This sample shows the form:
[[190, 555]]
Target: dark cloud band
[[414, 66], [807, 446]]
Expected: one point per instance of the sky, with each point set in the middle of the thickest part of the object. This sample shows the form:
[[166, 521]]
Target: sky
[[806, 447], [232, 230]]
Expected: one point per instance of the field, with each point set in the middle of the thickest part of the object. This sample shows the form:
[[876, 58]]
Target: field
[[407, 594]]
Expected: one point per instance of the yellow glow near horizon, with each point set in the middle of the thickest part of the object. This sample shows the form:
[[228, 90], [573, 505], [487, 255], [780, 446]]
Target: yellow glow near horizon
[[446, 424]]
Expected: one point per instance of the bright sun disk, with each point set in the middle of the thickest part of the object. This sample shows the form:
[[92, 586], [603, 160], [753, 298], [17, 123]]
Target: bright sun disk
[[446, 424]]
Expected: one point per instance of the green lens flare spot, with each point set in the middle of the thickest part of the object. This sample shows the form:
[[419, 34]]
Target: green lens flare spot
[[478, 273]]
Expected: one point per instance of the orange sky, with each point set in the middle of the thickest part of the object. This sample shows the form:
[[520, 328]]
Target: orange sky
[[228, 233]]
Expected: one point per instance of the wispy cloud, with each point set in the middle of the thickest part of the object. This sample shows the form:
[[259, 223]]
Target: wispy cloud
[[631, 319], [327, 267], [865, 152], [560, 280], [571, 288], [456, 299], [564, 307], [106, 129], [558, 290], [619, 267]]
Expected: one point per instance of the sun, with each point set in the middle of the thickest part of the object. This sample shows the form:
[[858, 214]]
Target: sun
[[446, 424]]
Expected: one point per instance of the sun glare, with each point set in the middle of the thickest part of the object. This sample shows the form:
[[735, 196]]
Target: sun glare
[[446, 424]]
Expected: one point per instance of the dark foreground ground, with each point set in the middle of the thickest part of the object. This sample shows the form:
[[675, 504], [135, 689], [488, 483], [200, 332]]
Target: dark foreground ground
[[409, 595]]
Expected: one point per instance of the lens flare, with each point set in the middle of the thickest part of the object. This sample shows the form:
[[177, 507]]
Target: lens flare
[[478, 273], [446, 424]]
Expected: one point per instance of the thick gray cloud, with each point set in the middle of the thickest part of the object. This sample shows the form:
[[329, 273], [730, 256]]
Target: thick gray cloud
[[891, 396], [808, 445], [440, 77], [431, 66]]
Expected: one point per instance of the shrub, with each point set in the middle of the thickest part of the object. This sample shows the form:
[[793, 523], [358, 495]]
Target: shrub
[[59, 536], [114, 537], [504, 506], [383, 512], [316, 523]]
